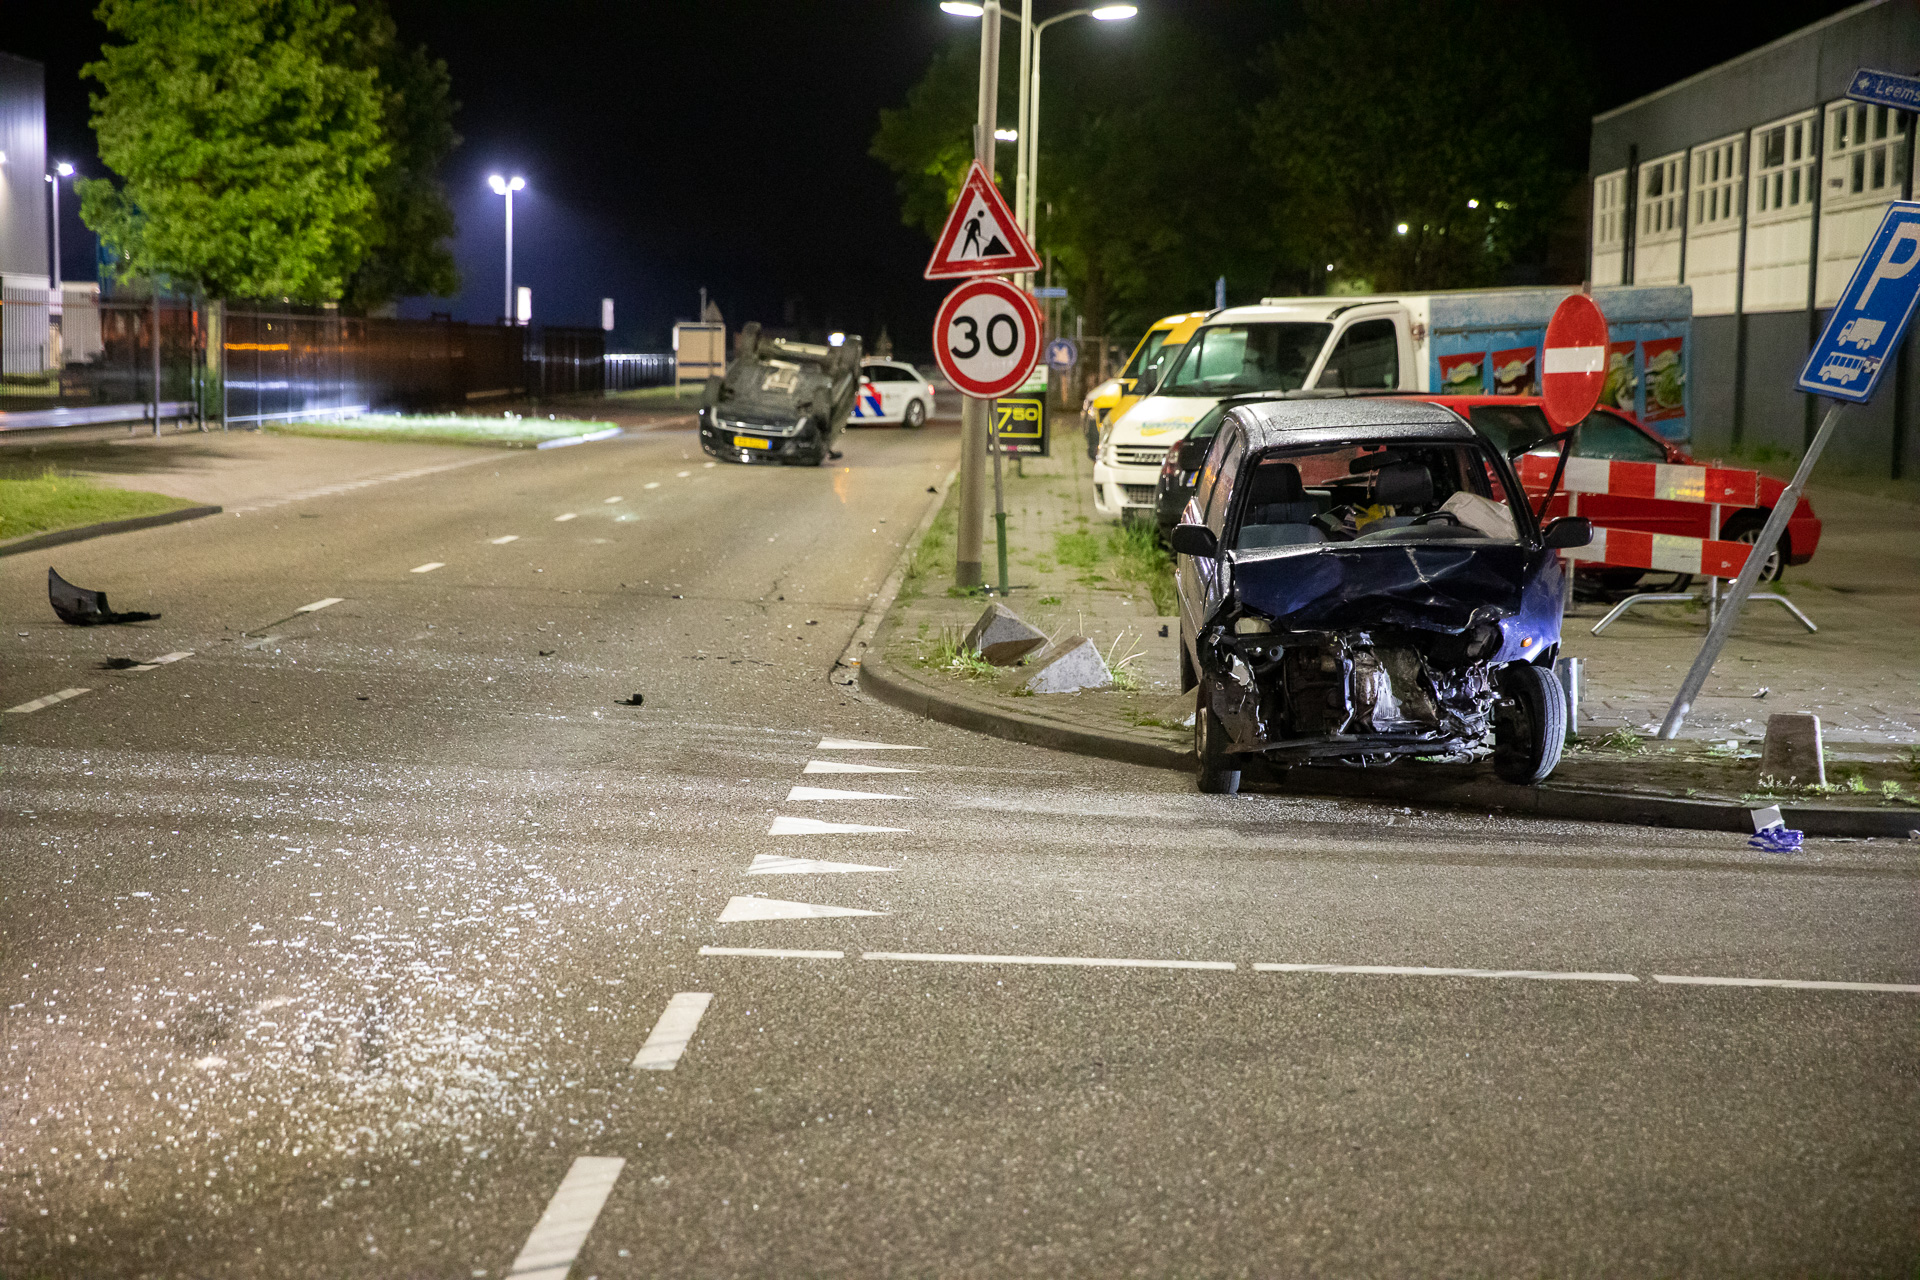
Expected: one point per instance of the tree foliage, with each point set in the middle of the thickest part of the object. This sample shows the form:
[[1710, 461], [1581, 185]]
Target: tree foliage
[[1463, 119], [270, 148]]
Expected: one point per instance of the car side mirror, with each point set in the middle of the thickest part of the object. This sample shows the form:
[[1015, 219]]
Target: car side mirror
[[1197, 540], [1568, 532]]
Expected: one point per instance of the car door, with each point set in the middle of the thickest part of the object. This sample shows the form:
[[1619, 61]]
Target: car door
[[893, 390], [1202, 580], [1368, 355], [870, 404]]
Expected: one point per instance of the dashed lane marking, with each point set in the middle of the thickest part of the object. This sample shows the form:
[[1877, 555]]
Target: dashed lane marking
[[1079, 962], [773, 953], [836, 766], [1801, 984], [318, 605], [772, 864], [682, 475], [651, 484], [428, 567], [829, 793], [672, 1033], [163, 660], [610, 501], [40, 703], [854, 744], [565, 516], [1421, 971], [785, 826], [743, 909], [562, 1230], [503, 541]]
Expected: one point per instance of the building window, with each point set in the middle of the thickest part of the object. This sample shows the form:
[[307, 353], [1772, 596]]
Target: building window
[[1716, 179], [1660, 207], [1783, 176], [1867, 151], [1608, 210]]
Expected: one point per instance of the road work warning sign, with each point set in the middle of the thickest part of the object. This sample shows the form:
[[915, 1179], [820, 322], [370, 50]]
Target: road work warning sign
[[980, 238]]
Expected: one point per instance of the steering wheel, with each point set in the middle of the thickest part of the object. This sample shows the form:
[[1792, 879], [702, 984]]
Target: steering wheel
[[1431, 516]]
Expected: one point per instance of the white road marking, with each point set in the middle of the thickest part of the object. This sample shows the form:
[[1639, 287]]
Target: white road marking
[[429, 566], [828, 793], [563, 518], [1799, 984], [854, 744], [740, 909], [773, 953], [1421, 971], [835, 766], [1079, 962], [611, 501], [318, 605], [784, 826], [670, 1035], [773, 864], [562, 1230], [682, 474], [47, 701], [651, 484], [589, 438], [504, 540]]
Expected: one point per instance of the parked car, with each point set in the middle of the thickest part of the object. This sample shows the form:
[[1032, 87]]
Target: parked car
[[1514, 422], [892, 391], [780, 401], [1180, 469], [1113, 397], [1362, 579]]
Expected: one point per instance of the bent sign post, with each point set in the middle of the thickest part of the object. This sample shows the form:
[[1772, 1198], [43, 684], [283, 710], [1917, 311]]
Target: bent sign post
[[1862, 334]]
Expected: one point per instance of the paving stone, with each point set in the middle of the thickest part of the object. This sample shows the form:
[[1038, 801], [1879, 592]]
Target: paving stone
[[1792, 752], [1069, 666], [1002, 638]]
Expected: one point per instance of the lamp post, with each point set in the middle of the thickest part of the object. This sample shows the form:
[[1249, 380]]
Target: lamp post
[[61, 170], [506, 187], [1028, 193]]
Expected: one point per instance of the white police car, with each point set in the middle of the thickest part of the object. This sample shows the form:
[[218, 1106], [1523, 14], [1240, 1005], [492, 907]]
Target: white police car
[[891, 391]]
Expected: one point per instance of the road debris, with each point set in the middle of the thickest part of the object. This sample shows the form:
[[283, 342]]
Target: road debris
[[79, 607], [634, 701]]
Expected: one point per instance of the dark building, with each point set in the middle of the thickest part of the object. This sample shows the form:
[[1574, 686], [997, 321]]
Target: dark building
[[1758, 184]]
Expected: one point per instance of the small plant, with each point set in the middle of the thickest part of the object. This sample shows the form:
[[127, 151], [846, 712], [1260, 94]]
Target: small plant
[[1910, 757], [1620, 740], [1857, 784], [1080, 549], [950, 653], [1049, 600]]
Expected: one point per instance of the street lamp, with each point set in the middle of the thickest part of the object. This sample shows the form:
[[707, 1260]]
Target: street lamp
[[506, 187], [1026, 194], [61, 170]]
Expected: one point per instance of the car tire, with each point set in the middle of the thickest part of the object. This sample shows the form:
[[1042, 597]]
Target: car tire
[[1746, 528], [1210, 756], [1529, 725], [915, 417]]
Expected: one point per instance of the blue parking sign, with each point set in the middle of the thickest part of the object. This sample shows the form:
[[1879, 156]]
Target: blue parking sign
[[1866, 326]]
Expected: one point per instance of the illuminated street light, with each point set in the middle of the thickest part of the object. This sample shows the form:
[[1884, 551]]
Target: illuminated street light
[[61, 170], [1114, 12], [1473, 204], [1026, 189], [1402, 228], [1006, 135], [961, 9], [505, 187]]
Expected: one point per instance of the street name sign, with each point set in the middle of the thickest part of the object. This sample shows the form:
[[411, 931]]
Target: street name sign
[[1575, 365], [986, 338], [981, 237], [1866, 325], [1885, 89]]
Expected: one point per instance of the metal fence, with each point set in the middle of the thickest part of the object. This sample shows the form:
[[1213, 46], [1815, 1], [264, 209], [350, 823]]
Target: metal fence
[[98, 358], [631, 370]]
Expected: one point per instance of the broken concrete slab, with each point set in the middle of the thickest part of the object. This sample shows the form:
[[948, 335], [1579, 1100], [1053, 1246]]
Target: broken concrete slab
[[1002, 638], [1069, 666], [1793, 752]]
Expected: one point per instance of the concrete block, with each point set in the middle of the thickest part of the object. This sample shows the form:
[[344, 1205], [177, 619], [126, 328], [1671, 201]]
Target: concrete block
[[1069, 666], [1002, 638], [1792, 752]]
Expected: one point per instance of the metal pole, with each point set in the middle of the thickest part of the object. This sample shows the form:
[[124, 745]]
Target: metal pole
[[56, 242], [1032, 136], [1020, 179], [999, 497], [973, 412], [508, 310], [1749, 574], [156, 357]]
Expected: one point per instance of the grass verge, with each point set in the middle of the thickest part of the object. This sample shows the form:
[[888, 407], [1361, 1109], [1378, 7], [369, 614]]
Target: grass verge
[[688, 396], [1131, 553], [933, 558], [50, 501], [516, 432]]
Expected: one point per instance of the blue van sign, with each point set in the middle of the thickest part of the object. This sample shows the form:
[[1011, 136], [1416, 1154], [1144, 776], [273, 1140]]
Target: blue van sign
[[1866, 326]]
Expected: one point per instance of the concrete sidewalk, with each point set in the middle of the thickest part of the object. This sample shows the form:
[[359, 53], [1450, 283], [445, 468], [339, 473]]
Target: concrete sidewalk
[[1860, 673]]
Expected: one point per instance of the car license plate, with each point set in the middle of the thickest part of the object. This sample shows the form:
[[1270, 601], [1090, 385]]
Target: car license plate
[[751, 442]]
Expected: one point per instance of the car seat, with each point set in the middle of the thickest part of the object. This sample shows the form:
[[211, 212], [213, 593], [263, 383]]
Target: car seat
[[1401, 485], [1279, 512]]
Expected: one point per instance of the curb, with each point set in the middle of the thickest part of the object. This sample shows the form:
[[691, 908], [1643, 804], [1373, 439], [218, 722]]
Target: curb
[[1415, 784], [81, 533]]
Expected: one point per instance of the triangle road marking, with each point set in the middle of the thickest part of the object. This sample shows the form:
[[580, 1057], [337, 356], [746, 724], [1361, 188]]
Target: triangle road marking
[[855, 744], [785, 826], [831, 793], [773, 864], [836, 766], [741, 909]]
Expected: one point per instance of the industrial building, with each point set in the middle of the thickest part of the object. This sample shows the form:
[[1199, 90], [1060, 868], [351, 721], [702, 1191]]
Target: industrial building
[[1757, 183]]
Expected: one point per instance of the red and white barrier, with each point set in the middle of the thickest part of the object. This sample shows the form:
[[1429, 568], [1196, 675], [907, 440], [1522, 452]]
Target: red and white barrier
[[1720, 485], [1664, 553]]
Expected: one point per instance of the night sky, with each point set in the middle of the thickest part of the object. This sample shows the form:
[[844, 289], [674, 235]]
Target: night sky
[[723, 144]]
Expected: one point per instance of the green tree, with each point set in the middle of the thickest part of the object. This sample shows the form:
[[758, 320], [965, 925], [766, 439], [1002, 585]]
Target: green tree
[[1461, 119], [928, 143], [407, 251], [248, 136]]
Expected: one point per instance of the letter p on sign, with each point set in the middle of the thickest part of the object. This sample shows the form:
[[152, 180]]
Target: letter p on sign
[[1887, 269]]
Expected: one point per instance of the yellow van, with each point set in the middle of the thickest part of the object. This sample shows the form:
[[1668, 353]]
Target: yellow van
[[1116, 395]]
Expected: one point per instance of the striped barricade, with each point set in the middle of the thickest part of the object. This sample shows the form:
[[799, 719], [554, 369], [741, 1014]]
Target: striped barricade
[[1724, 486], [1664, 553]]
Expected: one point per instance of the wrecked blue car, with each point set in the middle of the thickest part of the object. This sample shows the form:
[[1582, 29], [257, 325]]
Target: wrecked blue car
[[1362, 580]]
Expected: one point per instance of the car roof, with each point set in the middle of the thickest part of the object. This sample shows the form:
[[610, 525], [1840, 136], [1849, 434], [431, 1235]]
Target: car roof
[[1279, 424]]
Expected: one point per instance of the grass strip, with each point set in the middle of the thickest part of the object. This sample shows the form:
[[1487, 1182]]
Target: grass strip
[[51, 501]]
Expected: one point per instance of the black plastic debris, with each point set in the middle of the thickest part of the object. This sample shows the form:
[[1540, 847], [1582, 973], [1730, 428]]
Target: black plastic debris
[[931, 489], [79, 607], [546, 653], [119, 664], [634, 701]]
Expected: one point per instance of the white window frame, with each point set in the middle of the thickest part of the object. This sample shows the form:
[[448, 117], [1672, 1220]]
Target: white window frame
[[1718, 185], [1661, 214], [1609, 211], [1863, 143], [1782, 189]]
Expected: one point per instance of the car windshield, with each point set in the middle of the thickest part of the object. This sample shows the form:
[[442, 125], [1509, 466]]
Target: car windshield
[[1601, 434], [1369, 494], [1144, 355], [1228, 359]]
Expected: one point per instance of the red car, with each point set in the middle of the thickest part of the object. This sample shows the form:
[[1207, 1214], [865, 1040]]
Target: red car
[[1512, 421]]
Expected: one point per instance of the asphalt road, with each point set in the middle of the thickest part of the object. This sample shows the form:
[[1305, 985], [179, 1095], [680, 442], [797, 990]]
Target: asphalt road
[[331, 949]]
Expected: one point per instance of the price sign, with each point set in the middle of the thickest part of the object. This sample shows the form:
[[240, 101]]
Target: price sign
[[986, 338]]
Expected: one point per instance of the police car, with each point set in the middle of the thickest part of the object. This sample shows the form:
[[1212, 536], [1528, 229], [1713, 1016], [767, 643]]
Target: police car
[[892, 391]]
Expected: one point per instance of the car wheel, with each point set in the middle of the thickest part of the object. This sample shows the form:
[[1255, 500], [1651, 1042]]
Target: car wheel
[[1211, 761], [915, 416], [1746, 528], [1529, 724]]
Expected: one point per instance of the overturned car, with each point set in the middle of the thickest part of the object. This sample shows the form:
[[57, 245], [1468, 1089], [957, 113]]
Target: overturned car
[[1361, 580], [781, 401]]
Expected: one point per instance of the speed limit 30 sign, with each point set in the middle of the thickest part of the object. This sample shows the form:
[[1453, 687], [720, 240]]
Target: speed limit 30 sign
[[986, 338]]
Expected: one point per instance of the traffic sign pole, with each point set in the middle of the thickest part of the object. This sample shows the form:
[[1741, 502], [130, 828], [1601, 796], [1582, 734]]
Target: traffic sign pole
[[973, 411]]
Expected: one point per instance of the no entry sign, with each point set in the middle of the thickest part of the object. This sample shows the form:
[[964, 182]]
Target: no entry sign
[[1576, 361], [986, 338]]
